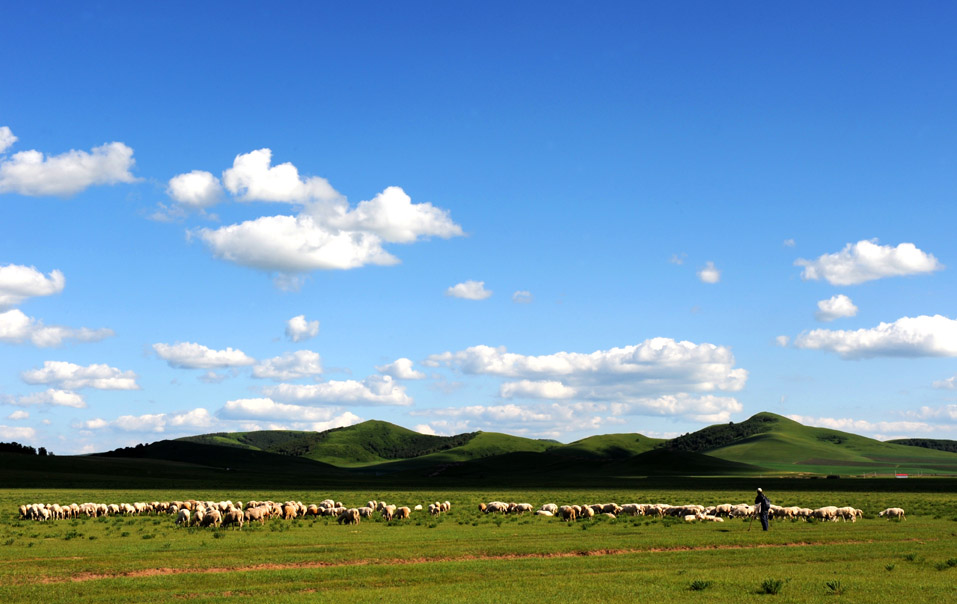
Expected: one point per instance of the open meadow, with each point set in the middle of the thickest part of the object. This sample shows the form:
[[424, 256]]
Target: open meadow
[[466, 555]]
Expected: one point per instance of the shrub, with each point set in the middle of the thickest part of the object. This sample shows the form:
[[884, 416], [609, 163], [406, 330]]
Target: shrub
[[950, 563], [835, 587], [699, 585], [771, 586], [890, 567]]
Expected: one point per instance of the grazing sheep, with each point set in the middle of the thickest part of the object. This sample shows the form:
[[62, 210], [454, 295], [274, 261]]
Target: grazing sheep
[[183, 518], [567, 513], [544, 513], [549, 507], [349, 516], [212, 518], [367, 511], [289, 512], [418, 508], [234, 517], [893, 513], [388, 512], [403, 513]]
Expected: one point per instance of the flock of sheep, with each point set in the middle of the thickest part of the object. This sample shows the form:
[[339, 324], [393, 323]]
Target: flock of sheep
[[689, 513], [226, 513]]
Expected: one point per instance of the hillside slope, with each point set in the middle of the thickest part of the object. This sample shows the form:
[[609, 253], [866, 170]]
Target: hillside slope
[[782, 444]]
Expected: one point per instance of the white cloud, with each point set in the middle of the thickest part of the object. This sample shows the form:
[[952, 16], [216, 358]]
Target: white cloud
[[294, 244], [17, 433], [197, 189], [866, 261], [16, 327], [424, 429], [252, 178], [19, 414], [154, 422], [401, 369], [709, 274], [268, 409], [861, 426], [782, 341], [522, 297], [789, 243], [50, 397], [548, 389], [922, 336], [835, 307], [70, 376], [290, 366], [188, 355], [6, 138], [678, 259], [17, 283], [657, 377], [299, 329], [469, 290], [32, 173], [326, 234], [948, 384], [392, 216], [655, 365], [945, 412], [374, 390]]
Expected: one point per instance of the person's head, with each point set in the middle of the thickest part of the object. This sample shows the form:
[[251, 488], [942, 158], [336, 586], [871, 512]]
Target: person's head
[[760, 491]]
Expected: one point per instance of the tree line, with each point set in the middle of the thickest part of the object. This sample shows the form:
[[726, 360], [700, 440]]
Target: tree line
[[15, 447]]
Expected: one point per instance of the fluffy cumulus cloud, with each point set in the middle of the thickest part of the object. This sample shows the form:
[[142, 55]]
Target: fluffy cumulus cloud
[[35, 174], [19, 414], [254, 178], [299, 329], [154, 422], [16, 328], [660, 376], [189, 355], [401, 369], [268, 409], [374, 390], [7, 138], [17, 283], [392, 216], [469, 290], [290, 366], [17, 433], [50, 397], [880, 429], [922, 336], [835, 307], [782, 341], [294, 244], [70, 376], [866, 261], [327, 233], [197, 189], [709, 274]]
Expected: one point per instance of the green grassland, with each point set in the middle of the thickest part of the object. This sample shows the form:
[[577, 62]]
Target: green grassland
[[468, 556]]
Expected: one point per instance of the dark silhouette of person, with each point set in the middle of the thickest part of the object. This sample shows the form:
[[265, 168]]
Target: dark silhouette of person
[[762, 507]]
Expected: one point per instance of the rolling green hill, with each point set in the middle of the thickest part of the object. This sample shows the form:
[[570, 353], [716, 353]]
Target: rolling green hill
[[611, 446], [778, 443]]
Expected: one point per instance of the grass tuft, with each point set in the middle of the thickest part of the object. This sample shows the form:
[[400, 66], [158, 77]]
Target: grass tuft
[[771, 586], [835, 587], [700, 585]]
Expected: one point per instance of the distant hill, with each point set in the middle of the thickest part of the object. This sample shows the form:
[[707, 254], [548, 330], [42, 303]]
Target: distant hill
[[778, 443], [366, 443], [377, 453], [928, 443]]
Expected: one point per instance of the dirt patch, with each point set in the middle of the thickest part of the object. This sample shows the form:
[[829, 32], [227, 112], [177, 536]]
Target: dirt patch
[[153, 572]]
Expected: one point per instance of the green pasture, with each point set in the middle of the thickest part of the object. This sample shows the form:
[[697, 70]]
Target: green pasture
[[468, 556]]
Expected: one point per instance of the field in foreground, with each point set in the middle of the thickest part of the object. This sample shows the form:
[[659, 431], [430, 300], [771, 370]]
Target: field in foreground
[[467, 556]]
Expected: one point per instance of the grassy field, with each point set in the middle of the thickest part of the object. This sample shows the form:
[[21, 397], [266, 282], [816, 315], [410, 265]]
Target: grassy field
[[467, 556]]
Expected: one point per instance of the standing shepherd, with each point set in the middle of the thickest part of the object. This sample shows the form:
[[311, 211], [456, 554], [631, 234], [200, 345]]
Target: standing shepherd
[[762, 506]]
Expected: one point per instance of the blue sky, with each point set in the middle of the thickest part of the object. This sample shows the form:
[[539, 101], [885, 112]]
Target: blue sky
[[548, 219]]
